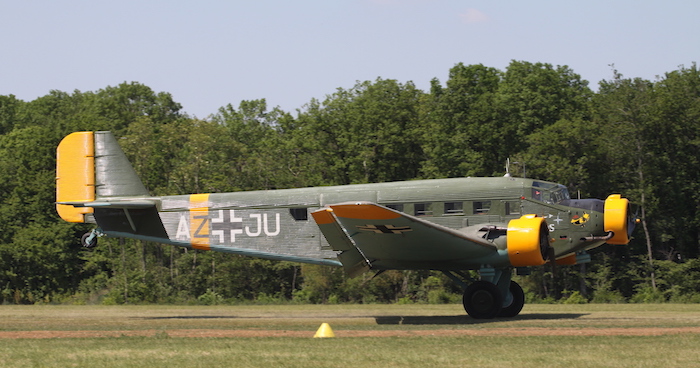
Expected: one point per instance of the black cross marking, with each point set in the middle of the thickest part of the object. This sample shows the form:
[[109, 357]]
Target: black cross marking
[[385, 229], [227, 226]]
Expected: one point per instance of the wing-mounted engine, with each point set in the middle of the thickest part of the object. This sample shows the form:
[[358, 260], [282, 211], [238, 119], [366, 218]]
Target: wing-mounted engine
[[528, 241]]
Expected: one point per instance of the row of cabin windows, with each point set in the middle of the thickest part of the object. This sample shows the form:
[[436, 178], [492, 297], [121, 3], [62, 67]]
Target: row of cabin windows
[[427, 209], [456, 208]]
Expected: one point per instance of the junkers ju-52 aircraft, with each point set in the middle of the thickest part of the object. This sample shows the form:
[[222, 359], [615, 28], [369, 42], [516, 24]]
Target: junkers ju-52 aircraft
[[492, 225]]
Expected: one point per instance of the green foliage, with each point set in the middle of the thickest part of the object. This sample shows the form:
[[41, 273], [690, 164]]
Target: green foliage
[[366, 134], [563, 153], [9, 105], [463, 131], [633, 136], [608, 297], [574, 298], [647, 294], [210, 297]]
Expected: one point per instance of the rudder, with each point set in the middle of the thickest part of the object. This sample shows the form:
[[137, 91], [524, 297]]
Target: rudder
[[92, 166], [75, 175]]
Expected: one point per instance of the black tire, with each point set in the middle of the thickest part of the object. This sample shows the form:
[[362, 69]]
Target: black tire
[[84, 241], [482, 300], [516, 304]]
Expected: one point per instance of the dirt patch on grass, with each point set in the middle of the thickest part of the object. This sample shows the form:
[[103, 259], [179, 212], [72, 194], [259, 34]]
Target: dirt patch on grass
[[213, 333]]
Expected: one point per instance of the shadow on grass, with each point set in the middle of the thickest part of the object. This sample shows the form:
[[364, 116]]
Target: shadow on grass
[[403, 320], [465, 320], [193, 317]]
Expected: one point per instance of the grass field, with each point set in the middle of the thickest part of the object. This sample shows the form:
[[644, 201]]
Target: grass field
[[619, 335]]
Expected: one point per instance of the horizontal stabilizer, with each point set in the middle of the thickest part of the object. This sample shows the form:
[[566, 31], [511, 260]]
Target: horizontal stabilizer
[[127, 203], [137, 221]]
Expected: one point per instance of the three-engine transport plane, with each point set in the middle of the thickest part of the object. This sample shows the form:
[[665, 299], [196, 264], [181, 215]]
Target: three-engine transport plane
[[492, 225]]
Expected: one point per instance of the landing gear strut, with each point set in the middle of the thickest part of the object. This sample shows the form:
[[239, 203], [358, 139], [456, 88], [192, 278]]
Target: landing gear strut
[[516, 302]]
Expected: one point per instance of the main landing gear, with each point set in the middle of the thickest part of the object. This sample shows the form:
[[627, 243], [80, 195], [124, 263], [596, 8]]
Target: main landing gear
[[515, 305], [495, 295], [484, 300]]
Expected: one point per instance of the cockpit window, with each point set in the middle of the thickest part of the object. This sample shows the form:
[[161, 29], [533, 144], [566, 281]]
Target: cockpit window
[[548, 192]]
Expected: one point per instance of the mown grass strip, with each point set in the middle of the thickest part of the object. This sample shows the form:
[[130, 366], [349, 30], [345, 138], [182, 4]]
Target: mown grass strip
[[367, 335], [501, 351]]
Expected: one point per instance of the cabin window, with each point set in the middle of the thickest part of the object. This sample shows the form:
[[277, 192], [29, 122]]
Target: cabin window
[[454, 208], [482, 208], [422, 209], [397, 207], [299, 214], [512, 208]]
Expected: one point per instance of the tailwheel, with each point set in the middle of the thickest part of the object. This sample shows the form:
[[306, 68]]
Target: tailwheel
[[89, 240], [517, 301], [482, 300]]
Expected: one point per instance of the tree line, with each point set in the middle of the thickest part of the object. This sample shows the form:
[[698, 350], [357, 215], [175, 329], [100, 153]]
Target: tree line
[[631, 136]]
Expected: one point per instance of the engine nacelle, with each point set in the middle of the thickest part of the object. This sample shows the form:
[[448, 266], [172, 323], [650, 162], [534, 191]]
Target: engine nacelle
[[528, 241], [616, 219]]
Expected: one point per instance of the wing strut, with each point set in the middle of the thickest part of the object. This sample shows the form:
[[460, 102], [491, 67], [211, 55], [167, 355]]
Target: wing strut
[[131, 220]]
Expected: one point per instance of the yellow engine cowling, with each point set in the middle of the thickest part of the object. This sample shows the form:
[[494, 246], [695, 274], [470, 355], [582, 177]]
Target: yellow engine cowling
[[527, 241], [616, 219]]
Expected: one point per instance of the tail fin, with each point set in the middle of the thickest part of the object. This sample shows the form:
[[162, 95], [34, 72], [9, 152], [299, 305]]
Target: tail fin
[[90, 166], [114, 175]]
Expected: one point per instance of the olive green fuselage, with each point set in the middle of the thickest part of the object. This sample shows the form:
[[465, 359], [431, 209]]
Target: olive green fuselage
[[276, 224]]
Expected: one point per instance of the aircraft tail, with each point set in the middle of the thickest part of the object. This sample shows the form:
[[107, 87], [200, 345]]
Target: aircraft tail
[[91, 166]]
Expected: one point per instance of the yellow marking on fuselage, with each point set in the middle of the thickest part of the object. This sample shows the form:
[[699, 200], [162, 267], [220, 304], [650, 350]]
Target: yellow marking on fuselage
[[199, 221]]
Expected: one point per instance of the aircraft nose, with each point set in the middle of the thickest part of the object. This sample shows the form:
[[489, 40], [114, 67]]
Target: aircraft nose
[[618, 220]]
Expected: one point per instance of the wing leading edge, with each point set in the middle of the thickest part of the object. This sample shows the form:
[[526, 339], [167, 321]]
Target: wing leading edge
[[370, 236]]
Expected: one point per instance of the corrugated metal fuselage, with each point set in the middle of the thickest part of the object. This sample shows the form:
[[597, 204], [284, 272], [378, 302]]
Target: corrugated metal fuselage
[[276, 224]]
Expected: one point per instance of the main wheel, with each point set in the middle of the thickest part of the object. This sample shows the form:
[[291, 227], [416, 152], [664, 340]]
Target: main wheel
[[482, 300], [516, 302]]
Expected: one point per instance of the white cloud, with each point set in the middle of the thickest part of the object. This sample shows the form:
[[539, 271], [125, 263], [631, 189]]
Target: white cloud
[[472, 15]]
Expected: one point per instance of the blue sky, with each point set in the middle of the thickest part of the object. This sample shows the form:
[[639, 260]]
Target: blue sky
[[208, 53]]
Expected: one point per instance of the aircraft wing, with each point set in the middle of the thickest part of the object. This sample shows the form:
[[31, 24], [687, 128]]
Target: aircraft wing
[[370, 236]]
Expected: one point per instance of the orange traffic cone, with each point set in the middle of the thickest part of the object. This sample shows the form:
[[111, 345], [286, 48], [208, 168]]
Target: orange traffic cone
[[324, 331]]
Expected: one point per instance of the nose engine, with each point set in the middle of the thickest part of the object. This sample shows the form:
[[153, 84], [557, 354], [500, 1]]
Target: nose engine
[[617, 219]]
